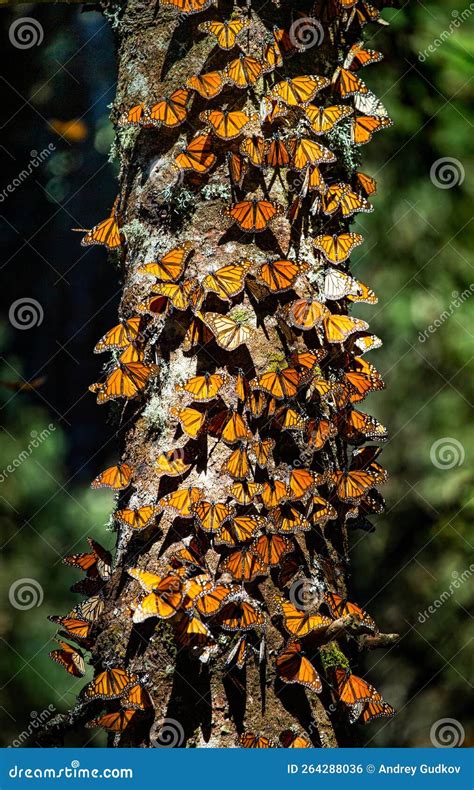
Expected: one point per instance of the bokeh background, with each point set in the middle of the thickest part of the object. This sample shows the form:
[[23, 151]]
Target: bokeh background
[[415, 572]]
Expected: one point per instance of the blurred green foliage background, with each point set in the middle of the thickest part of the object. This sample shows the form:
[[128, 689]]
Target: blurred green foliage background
[[416, 257]]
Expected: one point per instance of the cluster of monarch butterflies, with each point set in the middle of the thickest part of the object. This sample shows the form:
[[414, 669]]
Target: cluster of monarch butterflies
[[286, 426]]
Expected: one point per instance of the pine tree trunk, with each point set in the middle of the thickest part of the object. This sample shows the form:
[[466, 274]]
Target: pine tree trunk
[[199, 697]]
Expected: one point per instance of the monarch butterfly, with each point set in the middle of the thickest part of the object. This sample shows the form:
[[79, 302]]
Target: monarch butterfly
[[190, 554], [290, 740], [364, 126], [323, 119], [96, 562], [362, 378], [322, 512], [109, 684], [75, 627], [366, 183], [357, 424], [172, 463], [118, 721], [273, 493], [229, 426], [254, 149], [289, 419], [293, 667], [191, 420], [301, 482], [337, 248], [228, 333], [374, 710], [271, 109], [71, 659], [226, 124], [212, 600], [302, 623], [170, 267], [172, 110], [271, 548], [307, 152], [238, 655], [273, 52], [244, 493], [251, 740], [287, 519], [262, 450], [212, 515], [126, 381], [337, 285], [197, 155], [190, 630], [24, 386], [308, 360], [136, 698], [358, 57], [116, 477], [182, 501], [207, 85], [253, 216], [313, 181], [203, 388], [353, 484], [197, 334], [237, 168], [163, 600], [228, 281], [196, 586], [298, 91], [319, 431], [240, 529], [341, 196], [243, 71], [305, 314], [340, 607], [226, 33], [237, 465], [352, 690], [369, 104], [135, 115], [347, 83], [120, 336], [365, 342], [189, 6], [279, 384], [91, 609], [277, 154], [244, 565], [239, 615], [106, 232], [280, 275]]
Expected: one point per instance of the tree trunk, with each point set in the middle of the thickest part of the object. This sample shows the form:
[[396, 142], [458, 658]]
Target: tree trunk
[[200, 696]]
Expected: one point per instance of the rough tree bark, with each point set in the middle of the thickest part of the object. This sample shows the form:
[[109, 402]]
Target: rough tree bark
[[199, 698]]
